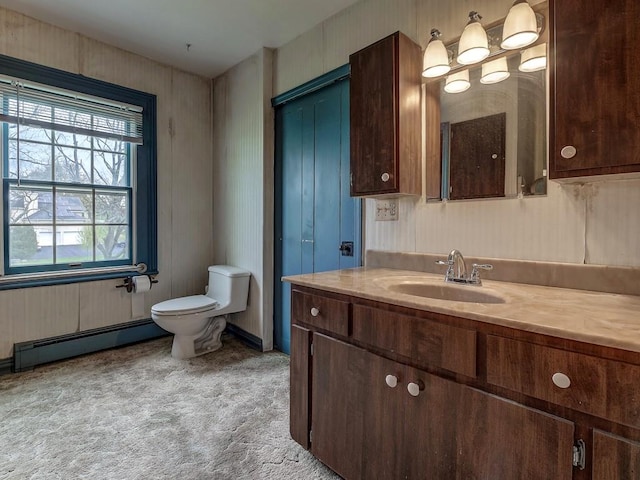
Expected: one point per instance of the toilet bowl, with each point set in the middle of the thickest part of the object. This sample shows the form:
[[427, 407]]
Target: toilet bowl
[[197, 321]]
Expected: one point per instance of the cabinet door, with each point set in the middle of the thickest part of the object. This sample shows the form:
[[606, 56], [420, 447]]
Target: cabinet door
[[614, 457], [373, 111], [385, 119], [338, 397], [383, 443], [503, 439], [459, 432], [595, 87], [431, 428], [299, 385]]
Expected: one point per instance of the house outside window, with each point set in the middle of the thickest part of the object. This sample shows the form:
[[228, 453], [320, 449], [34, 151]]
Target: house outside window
[[78, 176]]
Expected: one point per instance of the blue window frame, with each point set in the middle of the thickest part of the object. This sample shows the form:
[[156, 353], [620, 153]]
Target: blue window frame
[[89, 201]]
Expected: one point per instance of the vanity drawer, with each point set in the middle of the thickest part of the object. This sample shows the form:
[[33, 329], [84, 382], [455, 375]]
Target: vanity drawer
[[426, 342], [320, 312], [605, 388]]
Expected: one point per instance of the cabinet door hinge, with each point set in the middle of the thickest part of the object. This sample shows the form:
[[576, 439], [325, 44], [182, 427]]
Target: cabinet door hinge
[[579, 454]]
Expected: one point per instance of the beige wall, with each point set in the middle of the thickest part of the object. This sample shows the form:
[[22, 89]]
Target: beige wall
[[185, 218], [243, 184]]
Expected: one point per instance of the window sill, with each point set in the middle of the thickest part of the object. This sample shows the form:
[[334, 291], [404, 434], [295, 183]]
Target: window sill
[[12, 282]]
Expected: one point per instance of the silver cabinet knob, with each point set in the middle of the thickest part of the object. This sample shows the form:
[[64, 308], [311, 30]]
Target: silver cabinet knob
[[385, 177], [561, 380], [315, 312], [568, 152], [414, 388], [391, 381]]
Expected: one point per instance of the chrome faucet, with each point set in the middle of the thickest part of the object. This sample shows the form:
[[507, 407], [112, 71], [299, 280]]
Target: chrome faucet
[[457, 265], [457, 269]]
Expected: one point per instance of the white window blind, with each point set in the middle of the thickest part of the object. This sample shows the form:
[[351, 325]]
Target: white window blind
[[35, 105]]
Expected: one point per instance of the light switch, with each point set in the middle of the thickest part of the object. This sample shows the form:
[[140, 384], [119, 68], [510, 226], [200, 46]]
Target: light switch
[[387, 209]]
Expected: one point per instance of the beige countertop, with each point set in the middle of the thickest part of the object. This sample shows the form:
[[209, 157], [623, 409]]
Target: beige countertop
[[601, 318]]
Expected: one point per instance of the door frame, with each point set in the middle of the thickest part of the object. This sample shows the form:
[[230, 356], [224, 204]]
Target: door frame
[[311, 86], [325, 80]]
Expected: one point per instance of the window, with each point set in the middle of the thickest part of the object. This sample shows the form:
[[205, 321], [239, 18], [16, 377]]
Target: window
[[78, 176]]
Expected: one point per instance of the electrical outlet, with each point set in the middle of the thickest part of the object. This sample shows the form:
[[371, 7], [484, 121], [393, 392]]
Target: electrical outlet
[[386, 210]]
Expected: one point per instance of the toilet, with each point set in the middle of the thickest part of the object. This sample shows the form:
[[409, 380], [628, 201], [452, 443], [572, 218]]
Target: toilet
[[197, 321]]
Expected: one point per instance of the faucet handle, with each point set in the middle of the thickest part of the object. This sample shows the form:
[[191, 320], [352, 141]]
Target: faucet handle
[[482, 266], [449, 263], [475, 274]]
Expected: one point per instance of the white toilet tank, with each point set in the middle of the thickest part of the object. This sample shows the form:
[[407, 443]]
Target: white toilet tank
[[229, 286]]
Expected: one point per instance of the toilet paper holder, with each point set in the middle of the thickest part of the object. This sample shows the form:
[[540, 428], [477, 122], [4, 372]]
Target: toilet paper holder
[[128, 283]]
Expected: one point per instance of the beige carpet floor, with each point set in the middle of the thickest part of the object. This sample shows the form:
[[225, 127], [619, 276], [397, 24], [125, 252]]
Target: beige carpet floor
[[137, 413]]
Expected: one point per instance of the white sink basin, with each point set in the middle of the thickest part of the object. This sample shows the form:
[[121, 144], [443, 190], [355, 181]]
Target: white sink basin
[[440, 291]]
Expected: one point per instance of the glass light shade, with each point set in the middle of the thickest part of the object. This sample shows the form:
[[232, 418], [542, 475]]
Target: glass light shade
[[520, 27], [457, 82], [473, 46], [436, 59], [534, 59], [495, 71]]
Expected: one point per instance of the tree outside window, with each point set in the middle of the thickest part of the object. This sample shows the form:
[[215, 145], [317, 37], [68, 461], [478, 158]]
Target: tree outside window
[[70, 194]]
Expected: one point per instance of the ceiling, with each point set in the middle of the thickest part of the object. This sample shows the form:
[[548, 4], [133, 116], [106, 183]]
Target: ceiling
[[220, 33]]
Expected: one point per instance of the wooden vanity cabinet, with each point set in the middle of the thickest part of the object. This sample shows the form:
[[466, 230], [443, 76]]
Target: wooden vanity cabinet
[[594, 87], [385, 118], [488, 402], [364, 428]]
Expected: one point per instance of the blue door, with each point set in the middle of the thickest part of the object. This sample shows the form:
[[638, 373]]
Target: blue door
[[317, 223]]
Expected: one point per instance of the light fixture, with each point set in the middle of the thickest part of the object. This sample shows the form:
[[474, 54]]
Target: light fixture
[[457, 82], [473, 46], [436, 58], [520, 27], [495, 71], [534, 59]]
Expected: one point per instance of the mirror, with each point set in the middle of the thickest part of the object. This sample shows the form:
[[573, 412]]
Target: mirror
[[493, 136]]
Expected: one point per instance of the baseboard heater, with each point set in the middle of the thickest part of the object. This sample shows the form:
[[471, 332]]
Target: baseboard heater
[[6, 366], [28, 355]]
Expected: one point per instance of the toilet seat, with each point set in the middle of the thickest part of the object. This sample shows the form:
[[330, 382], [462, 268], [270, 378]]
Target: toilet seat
[[185, 305]]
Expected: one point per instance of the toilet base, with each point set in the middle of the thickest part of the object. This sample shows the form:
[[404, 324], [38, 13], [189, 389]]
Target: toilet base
[[207, 341]]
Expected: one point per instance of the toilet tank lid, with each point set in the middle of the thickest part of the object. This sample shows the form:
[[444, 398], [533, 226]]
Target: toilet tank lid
[[229, 271]]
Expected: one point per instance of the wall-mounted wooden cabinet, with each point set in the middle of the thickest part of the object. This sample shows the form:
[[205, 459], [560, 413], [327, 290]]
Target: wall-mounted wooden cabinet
[[595, 88], [385, 118], [387, 392]]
